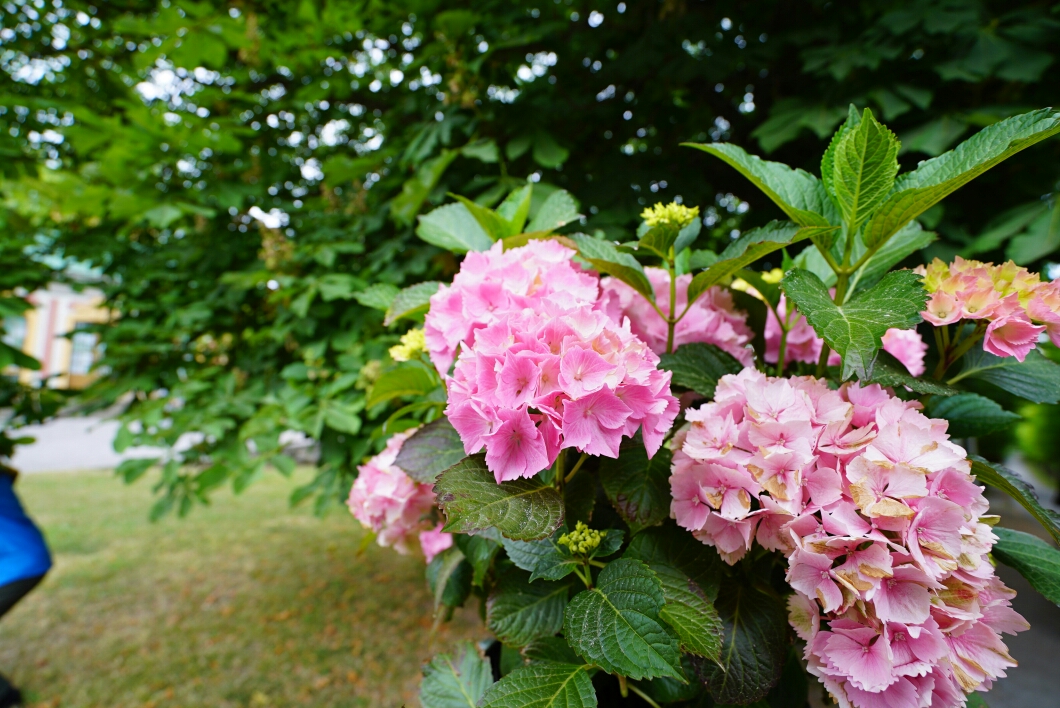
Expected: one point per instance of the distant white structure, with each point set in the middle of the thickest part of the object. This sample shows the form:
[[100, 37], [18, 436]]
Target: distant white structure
[[53, 333]]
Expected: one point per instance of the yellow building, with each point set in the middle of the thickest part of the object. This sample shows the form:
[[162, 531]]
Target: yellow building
[[53, 333]]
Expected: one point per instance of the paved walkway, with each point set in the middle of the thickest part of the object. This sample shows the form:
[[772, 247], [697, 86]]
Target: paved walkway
[[72, 444]]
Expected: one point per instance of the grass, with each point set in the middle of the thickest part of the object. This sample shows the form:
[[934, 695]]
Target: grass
[[244, 603]]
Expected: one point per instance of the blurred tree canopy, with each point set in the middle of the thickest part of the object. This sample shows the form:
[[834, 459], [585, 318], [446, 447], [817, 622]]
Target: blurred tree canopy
[[245, 177]]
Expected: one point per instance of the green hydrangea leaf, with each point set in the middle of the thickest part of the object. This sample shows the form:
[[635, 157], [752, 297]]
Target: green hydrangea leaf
[[430, 451], [404, 380], [491, 222], [554, 649], [917, 191], [971, 415], [519, 611], [855, 329], [560, 209], [457, 680], [698, 366], [1035, 378], [516, 208], [747, 249], [606, 258], [411, 302], [479, 552], [449, 578], [689, 573], [864, 165], [798, 193], [616, 625], [543, 684], [828, 159], [378, 296], [889, 372], [1035, 560], [453, 228], [637, 487], [1010, 483], [544, 558], [910, 239], [523, 509], [755, 646], [579, 498]]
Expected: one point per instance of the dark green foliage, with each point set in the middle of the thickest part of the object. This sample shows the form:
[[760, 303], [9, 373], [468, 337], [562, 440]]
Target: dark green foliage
[[259, 328], [698, 366], [755, 646], [637, 487]]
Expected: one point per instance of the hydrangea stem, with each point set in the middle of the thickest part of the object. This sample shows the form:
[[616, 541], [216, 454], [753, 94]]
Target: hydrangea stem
[[782, 353], [953, 350], [671, 321], [577, 466], [647, 699]]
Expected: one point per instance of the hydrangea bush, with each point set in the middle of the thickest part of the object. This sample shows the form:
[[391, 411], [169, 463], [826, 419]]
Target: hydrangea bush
[[673, 476]]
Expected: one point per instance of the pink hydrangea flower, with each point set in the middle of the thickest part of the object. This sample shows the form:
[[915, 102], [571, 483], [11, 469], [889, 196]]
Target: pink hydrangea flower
[[395, 506], [434, 541], [908, 347], [880, 520], [1010, 298], [495, 282], [1012, 335], [713, 318], [803, 344], [555, 376]]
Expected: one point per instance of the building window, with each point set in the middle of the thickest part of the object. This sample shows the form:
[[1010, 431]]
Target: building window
[[82, 350], [14, 331]]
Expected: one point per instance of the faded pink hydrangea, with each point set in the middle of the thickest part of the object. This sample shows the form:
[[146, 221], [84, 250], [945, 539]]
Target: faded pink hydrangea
[[880, 520], [492, 283], [803, 344], [712, 319], [1009, 297], [434, 541], [556, 376], [395, 506]]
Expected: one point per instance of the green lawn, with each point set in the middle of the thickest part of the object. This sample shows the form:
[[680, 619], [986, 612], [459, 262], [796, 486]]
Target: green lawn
[[244, 603]]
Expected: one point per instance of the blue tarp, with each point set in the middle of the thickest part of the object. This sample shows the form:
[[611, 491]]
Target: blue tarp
[[23, 553]]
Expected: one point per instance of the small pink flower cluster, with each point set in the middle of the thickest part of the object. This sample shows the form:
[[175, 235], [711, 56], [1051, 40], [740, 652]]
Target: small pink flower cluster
[[882, 525], [1007, 296], [492, 284], [804, 345], [394, 506], [712, 319], [553, 377]]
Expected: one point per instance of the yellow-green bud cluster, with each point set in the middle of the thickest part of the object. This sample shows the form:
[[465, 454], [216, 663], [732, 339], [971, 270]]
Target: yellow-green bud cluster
[[412, 343], [582, 539], [672, 214]]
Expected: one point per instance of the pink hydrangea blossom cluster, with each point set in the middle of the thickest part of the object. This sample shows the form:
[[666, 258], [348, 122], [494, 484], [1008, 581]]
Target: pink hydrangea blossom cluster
[[1010, 298], [395, 506], [496, 282], [712, 318], [541, 380], [803, 344], [882, 524]]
